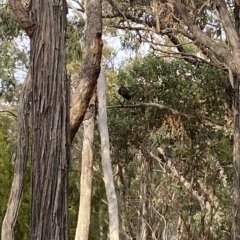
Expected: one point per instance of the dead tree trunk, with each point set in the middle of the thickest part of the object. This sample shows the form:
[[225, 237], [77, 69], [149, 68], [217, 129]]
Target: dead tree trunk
[[106, 161], [82, 230]]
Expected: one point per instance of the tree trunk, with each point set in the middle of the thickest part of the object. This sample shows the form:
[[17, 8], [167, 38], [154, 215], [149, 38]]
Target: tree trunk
[[15, 198], [91, 65], [50, 122], [145, 199], [236, 158], [106, 161], [82, 230], [236, 164], [37, 24]]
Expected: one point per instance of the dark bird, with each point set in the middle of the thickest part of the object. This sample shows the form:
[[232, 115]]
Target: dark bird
[[124, 92]]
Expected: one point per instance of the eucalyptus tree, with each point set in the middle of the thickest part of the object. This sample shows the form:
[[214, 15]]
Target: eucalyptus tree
[[212, 27], [45, 24], [173, 149]]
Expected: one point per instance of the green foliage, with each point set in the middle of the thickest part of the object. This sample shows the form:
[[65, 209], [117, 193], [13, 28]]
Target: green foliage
[[6, 168], [99, 213], [22, 229], [10, 28], [198, 151], [74, 176], [197, 148], [74, 39], [7, 62], [6, 174], [12, 59]]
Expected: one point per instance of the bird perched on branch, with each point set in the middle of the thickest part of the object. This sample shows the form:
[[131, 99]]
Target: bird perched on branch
[[124, 92]]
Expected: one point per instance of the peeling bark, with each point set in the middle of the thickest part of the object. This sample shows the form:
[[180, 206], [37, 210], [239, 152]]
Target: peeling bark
[[91, 65]]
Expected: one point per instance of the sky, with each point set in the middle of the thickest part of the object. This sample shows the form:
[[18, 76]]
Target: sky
[[114, 42], [121, 54]]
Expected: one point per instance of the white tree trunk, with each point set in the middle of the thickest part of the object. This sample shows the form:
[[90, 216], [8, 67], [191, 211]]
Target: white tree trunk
[[84, 213], [106, 160]]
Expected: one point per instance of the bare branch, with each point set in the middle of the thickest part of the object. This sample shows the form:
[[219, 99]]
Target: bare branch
[[170, 33], [79, 14], [204, 39], [202, 119], [228, 25], [9, 112], [205, 200]]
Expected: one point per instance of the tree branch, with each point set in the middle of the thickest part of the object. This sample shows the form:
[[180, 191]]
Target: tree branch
[[204, 39], [91, 66], [150, 26], [23, 16], [228, 24], [79, 14], [205, 200], [9, 112], [203, 119]]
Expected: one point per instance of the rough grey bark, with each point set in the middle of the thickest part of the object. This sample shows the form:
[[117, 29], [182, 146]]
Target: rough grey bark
[[50, 122], [82, 231], [236, 164], [14, 201], [51, 57], [236, 147]]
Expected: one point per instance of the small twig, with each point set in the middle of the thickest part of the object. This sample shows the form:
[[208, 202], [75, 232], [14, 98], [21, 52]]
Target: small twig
[[203, 119], [76, 11], [119, 102], [161, 106], [3, 5], [11, 113]]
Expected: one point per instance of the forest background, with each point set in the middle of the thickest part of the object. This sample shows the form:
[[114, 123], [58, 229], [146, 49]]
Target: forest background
[[174, 146]]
